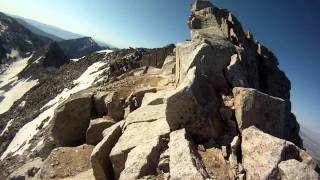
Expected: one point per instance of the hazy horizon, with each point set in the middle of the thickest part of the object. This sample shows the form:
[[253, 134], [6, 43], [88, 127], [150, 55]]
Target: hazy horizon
[[289, 31]]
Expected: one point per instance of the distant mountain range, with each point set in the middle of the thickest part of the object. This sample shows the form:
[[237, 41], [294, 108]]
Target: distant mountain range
[[20, 36], [29, 55], [16, 39], [311, 141], [53, 32], [38, 31]]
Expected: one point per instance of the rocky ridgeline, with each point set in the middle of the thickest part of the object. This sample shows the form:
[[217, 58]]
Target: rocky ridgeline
[[214, 107]]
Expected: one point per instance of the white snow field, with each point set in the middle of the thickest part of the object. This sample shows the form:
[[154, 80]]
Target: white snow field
[[11, 72], [17, 87], [15, 93], [21, 140], [77, 59], [105, 51]]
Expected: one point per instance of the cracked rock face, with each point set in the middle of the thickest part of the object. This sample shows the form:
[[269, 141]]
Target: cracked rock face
[[214, 107], [291, 169], [261, 110]]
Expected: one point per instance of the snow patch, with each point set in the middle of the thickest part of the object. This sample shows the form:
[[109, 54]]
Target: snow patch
[[3, 28], [10, 74], [105, 51], [7, 127], [13, 54], [15, 93], [21, 140], [29, 42], [38, 60], [77, 59], [9, 78], [22, 104]]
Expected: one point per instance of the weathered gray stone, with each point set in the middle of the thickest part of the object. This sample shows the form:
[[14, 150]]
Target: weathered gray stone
[[200, 114], [254, 66], [114, 106], [96, 127], [28, 170], [295, 170], [71, 120], [169, 65], [305, 158], [261, 153], [142, 160], [146, 114], [261, 110], [156, 57], [216, 165], [184, 163], [132, 137], [134, 100], [210, 58], [157, 98], [101, 164], [235, 72]]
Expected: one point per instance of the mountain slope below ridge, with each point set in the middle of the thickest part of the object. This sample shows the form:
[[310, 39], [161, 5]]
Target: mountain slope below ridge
[[46, 60], [37, 105], [16, 40], [17, 44], [26, 58], [40, 102], [38, 31], [58, 32]]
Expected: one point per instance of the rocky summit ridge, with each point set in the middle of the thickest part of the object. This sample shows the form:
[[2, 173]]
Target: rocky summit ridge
[[216, 106]]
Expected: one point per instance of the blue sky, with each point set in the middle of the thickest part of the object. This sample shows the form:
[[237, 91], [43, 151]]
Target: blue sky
[[290, 28]]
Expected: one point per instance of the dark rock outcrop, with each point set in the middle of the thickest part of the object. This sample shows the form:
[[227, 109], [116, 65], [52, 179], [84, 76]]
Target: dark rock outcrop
[[46, 60], [77, 48], [155, 57], [257, 66], [15, 36]]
